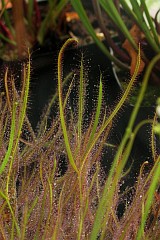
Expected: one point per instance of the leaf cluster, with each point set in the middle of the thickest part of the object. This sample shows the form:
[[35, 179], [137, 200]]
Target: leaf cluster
[[40, 201], [27, 23], [125, 25]]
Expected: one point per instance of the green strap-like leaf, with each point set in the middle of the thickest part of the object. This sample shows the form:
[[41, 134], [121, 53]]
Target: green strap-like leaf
[[142, 24], [84, 18], [111, 10], [62, 117]]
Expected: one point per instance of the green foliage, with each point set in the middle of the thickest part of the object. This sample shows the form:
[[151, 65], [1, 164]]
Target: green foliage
[[37, 201], [115, 172], [84, 18], [121, 16], [34, 21], [51, 17]]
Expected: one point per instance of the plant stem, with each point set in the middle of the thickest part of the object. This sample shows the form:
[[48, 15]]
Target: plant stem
[[20, 29]]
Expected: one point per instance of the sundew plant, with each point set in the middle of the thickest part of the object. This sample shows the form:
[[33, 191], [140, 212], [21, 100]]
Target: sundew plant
[[41, 200]]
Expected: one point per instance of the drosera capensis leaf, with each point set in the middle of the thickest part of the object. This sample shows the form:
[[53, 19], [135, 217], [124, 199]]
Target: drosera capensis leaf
[[27, 213], [98, 111], [43, 122], [81, 101], [62, 117], [25, 95], [109, 188], [112, 180], [12, 212], [40, 202], [8, 154], [6, 88], [117, 108], [149, 198]]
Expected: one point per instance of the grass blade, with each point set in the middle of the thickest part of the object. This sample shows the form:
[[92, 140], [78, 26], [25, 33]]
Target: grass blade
[[142, 24], [84, 18], [111, 10], [150, 22]]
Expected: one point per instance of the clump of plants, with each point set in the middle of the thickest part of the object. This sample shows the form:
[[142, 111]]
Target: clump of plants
[[25, 24], [124, 24], [52, 185]]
